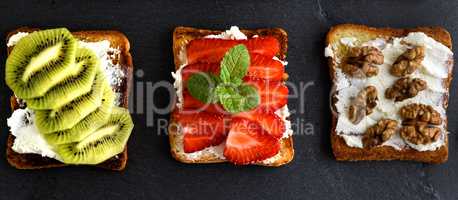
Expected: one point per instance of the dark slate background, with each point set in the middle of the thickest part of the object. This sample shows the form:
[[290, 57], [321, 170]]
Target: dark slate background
[[153, 174]]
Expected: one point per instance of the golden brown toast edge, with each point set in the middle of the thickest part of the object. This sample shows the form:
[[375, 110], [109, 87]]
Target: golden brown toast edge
[[341, 151], [181, 37], [117, 40]]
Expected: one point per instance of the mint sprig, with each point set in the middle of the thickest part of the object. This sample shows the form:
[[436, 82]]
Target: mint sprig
[[227, 89], [237, 98]]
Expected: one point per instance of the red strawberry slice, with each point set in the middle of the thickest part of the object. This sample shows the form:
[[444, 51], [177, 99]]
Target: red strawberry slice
[[274, 102], [195, 140], [216, 120], [261, 67], [274, 94], [264, 67], [188, 70], [201, 129], [213, 50], [191, 103], [247, 142], [267, 46], [208, 50], [267, 119]]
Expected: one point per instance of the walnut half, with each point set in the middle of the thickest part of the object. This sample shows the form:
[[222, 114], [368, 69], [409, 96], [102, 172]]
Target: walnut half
[[379, 133], [361, 62], [420, 134], [408, 62], [418, 125], [405, 88], [420, 113], [363, 104]]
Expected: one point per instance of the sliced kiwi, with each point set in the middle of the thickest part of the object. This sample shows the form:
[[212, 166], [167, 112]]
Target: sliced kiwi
[[68, 115], [87, 125], [106, 142], [76, 84], [39, 61]]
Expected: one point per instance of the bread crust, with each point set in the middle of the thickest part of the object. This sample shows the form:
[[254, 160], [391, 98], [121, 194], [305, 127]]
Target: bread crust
[[181, 37], [341, 150], [117, 163]]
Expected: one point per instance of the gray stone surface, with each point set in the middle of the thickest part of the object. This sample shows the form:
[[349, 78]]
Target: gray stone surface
[[153, 174]]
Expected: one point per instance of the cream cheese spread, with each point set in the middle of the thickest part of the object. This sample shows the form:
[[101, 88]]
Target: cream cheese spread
[[28, 139], [14, 39], [21, 123], [435, 68], [233, 33], [106, 54], [328, 51]]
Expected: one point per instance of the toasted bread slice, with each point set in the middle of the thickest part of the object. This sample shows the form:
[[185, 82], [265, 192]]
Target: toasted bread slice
[[117, 40], [340, 149], [181, 37]]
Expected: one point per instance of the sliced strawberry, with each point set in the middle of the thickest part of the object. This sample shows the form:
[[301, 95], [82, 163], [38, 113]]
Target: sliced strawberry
[[208, 50], [194, 140], [267, 46], [247, 142], [216, 120], [188, 70], [213, 50], [272, 102], [201, 129], [191, 103], [263, 67], [274, 94], [267, 119]]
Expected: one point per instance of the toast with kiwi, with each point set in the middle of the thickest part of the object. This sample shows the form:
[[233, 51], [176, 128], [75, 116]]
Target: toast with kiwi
[[341, 40], [182, 36], [106, 123]]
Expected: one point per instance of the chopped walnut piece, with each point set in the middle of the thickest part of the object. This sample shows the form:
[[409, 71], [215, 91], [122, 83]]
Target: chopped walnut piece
[[418, 124], [380, 132], [361, 60], [408, 62], [405, 88], [362, 104]]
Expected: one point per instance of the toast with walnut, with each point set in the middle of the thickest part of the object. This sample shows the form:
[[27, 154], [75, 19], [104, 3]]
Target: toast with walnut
[[390, 92]]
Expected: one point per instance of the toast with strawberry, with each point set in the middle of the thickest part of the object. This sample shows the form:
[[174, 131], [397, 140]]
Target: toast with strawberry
[[231, 97]]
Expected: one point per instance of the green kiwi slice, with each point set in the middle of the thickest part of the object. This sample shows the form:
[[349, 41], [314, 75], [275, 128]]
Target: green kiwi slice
[[39, 61], [68, 115], [87, 125], [106, 142], [76, 84]]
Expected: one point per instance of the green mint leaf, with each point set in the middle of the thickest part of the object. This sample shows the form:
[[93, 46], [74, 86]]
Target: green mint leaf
[[202, 85], [251, 96], [237, 81], [229, 98], [234, 65], [216, 81], [237, 98]]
